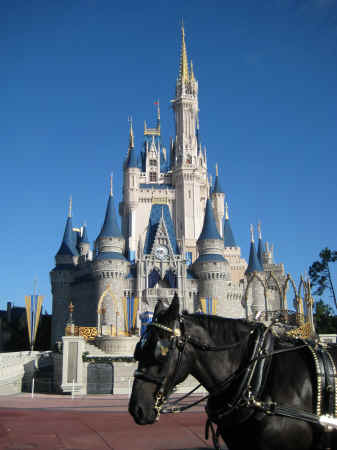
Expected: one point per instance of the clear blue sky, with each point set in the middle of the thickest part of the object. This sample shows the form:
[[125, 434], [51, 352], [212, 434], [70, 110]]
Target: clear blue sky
[[73, 71]]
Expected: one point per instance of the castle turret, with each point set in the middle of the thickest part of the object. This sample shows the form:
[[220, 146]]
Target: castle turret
[[67, 253], [218, 198], [211, 268], [110, 242], [84, 244], [255, 296], [232, 252], [254, 264], [131, 196], [61, 278]]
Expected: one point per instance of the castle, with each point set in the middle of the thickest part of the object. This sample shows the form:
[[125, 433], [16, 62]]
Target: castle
[[175, 236]]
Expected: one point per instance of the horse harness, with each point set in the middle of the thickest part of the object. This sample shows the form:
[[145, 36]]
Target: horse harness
[[247, 399], [250, 379]]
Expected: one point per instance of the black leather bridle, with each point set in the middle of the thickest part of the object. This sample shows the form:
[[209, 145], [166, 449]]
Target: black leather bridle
[[178, 339]]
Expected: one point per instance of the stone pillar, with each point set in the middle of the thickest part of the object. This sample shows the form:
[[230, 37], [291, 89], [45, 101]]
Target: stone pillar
[[74, 377]]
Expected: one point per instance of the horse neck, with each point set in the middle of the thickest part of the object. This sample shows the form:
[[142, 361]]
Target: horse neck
[[212, 367]]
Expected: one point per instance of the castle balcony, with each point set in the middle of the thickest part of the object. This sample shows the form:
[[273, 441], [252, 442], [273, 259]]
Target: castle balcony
[[152, 295]]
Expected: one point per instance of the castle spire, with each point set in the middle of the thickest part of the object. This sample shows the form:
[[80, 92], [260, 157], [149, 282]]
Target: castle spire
[[217, 188], [183, 69], [260, 244], [68, 245], [253, 263], [209, 229], [131, 137], [70, 206], [228, 236], [110, 227], [131, 160]]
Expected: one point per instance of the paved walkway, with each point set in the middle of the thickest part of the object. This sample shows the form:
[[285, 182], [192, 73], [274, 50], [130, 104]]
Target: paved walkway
[[93, 423]]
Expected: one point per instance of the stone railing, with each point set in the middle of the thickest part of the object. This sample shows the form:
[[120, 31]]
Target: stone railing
[[17, 365]]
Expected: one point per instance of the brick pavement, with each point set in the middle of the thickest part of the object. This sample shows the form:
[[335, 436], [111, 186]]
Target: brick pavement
[[51, 422]]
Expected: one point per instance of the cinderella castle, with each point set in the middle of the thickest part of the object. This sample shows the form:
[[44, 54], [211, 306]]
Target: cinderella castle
[[175, 236]]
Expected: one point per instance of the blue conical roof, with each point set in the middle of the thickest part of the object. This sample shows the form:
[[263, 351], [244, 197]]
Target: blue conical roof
[[209, 230], [132, 160], [110, 226], [253, 263], [260, 251], [217, 188], [84, 238], [228, 236], [68, 246]]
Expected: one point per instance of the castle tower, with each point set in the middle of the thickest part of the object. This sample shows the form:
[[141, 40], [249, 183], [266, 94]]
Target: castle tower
[[84, 245], [110, 240], [189, 178], [255, 295], [211, 268], [109, 269], [131, 197], [218, 199], [68, 254], [233, 252], [61, 278]]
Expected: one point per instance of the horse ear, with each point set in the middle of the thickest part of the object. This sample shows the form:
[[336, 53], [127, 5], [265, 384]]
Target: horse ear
[[158, 308], [173, 310]]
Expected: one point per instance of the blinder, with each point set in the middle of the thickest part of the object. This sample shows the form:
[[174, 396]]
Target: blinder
[[162, 348]]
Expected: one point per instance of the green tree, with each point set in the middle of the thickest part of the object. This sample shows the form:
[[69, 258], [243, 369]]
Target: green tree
[[325, 320], [320, 274]]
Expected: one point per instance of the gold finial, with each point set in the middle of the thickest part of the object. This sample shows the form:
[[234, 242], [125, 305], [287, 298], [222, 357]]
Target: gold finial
[[71, 307], [251, 233], [259, 230], [226, 211], [131, 137], [216, 169], [70, 206], [192, 78], [111, 184], [183, 73]]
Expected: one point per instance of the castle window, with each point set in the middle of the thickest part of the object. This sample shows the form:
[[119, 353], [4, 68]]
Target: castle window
[[153, 176], [153, 162]]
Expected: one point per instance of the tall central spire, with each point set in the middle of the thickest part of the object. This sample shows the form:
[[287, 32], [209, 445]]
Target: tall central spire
[[183, 70]]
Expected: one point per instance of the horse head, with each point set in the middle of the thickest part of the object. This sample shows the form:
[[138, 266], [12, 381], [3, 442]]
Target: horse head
[[161, 363]]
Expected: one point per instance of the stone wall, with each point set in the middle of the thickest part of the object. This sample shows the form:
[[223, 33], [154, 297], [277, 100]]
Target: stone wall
[[19, 366]]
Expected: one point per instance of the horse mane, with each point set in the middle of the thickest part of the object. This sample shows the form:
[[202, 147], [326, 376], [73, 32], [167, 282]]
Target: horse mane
[[217, 326], [221, 327]]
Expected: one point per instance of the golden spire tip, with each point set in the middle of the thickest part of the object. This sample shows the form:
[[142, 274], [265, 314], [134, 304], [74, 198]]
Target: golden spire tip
[[216, 169], [259, 230], [183, 73]]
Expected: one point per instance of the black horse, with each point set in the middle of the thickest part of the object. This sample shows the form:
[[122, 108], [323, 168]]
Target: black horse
[[220, 353]]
